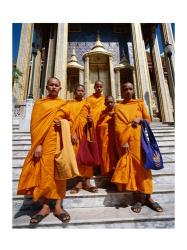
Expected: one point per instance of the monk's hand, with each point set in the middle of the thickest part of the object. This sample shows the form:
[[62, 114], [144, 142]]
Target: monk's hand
[[57, 124], [74, 139], [89, 120], [111, 114], [125, 147], [136, 122], [37, 153]]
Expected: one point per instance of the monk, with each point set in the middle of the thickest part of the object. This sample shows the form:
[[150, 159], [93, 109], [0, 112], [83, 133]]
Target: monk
[[130, 173], [76, 106], [37, 176], [96, 101], [89, 114], [106, 137]]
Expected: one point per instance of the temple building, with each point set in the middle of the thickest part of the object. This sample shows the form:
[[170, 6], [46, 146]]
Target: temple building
[[85, 52]]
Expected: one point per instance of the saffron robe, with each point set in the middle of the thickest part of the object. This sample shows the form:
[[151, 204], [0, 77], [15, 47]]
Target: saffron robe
[[106, 141], [93, 107], [37, 178], [96, 107], [130, 173], [75, 107]]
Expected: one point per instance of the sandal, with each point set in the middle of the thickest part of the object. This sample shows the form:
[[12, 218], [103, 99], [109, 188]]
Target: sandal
[[137, 207], [64, 216], [75, 190], [154, 205], [37, 218], [91, 189]]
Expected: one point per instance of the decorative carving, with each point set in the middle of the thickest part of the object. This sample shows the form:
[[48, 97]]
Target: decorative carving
[[82, 48], [19, 111]]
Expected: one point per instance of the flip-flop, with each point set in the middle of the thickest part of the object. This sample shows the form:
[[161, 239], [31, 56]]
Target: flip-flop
[[75, 190], [64, 216], [91, 189], [37, 218], [137, 206], [154, 205]]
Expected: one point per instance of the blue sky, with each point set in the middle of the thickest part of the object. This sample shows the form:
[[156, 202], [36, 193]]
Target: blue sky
[[16, 30]]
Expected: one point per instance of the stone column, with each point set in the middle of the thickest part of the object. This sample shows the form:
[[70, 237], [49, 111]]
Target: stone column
[[81, 76], [50, 56], [135, 85], [34, 88], [165, 105], [167, 35], [37, 75], [61, 57], [112, 81], [118, 84], [141, 69], [23, 63], [86, 76]]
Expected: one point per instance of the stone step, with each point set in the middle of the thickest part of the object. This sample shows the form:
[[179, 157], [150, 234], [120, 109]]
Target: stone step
[[23, 146], [157, 135], [15, 130], [166, 143], [17, 134], [15, 127], [160, 140], [105, 197], [19, 160], [165, 139], [103, 217], [158, 180], [169, 169], [154, 128], [155, 131], [162, 126], [23, 152], [21, 142]]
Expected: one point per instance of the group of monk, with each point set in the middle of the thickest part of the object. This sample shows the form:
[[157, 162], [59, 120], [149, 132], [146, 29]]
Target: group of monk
[[117, 130]]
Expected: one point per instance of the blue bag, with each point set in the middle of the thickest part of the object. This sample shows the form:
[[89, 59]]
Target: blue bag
[[151, 153]]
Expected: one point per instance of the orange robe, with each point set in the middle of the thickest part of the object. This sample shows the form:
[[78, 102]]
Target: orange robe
[[106, 141], [130, 173], [93, 106], [37, 178], [75, 108], [97, 105]]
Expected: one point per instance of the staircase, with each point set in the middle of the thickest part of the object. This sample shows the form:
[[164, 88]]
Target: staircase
[[108, 208]]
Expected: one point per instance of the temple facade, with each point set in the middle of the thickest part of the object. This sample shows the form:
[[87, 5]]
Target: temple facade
[[83, 53]]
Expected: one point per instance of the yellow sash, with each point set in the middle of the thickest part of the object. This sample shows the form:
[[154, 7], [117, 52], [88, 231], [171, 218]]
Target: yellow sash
[[65, 160]]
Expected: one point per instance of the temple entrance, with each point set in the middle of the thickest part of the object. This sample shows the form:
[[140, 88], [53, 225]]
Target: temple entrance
[[98, 65], [100, 72], [72, 81], [126, 75]]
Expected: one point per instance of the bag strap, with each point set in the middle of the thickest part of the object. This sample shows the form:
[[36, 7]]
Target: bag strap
[[145, 126]]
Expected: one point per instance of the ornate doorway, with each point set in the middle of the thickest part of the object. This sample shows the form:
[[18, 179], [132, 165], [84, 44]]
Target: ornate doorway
[[101, 72]]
